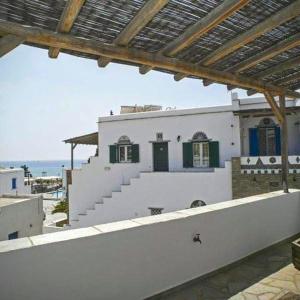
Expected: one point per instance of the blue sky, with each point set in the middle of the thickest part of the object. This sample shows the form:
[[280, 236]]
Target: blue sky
[[43, 101]]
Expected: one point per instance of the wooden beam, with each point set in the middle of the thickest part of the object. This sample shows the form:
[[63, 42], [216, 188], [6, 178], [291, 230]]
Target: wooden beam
[[275, 108], [288, 64], [43, 37], [142, 18], [202, 27], [144, 69], [9, 42], [284, 146], [267, 54], [284, 15], [295, 77], [66, 21]]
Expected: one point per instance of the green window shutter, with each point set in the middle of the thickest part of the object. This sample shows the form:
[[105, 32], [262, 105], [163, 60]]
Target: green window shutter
[[214, 157], [187, 150], [112, 154], [135, 152]]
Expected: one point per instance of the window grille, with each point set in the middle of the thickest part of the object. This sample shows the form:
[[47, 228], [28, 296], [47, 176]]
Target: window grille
[[155, 211]]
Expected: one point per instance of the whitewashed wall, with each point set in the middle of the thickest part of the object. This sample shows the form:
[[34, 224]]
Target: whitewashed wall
[[293, 132], [6, 177], [218, 123], [25, 216], [170, 191], [100, 178], [138, 258]]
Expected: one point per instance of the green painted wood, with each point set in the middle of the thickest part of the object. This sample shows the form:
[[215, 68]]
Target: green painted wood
[[187, 150], [135, 152], [214, 156], [160, 157], [113, 154]]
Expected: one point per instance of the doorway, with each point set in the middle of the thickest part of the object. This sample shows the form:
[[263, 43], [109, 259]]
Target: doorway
[[160, 157]]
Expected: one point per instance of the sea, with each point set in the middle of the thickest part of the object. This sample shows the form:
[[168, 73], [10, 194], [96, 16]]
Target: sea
[[43, 167]]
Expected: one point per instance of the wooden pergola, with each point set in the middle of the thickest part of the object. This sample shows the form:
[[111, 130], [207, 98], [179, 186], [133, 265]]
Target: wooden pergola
[[87, 139], [248, 44]]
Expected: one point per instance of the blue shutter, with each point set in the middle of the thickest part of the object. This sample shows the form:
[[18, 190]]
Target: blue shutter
[[253, 142], [278, 140]]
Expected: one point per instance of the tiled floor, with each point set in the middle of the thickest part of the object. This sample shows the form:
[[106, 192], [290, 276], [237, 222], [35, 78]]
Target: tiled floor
[[229, 283]]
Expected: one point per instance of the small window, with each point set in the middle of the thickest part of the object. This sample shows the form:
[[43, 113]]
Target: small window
[[13, 235], [125, 153], [14, 183], [155, 211], [197, 203]]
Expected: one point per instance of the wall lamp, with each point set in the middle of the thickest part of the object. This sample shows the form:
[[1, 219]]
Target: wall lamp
[[178, 138]]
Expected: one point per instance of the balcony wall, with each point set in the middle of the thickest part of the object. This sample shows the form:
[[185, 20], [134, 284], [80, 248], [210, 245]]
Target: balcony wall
[[138, 258]]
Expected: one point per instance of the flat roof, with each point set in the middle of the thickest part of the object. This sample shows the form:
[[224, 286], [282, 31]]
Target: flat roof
[[167, 113], [6, 201], [9, 170]]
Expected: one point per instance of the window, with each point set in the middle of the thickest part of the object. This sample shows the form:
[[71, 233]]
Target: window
[[197, 203], [13, 235], [125, 153], [14, 183], [199, 136], [155, 211]]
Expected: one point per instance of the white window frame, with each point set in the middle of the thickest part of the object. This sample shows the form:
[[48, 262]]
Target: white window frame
[[126, 159]]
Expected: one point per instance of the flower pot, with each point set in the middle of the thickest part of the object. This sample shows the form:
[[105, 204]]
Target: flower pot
[[296, 254]]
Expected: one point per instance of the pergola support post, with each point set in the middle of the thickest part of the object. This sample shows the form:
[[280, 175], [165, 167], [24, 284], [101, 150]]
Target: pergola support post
[[72, 155], [284, 146]]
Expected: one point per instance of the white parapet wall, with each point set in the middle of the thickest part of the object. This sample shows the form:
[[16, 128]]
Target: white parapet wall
[[138, 258], [169, 191]]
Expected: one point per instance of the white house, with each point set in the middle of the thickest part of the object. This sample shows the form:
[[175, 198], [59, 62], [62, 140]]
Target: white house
[[154, 162], [12, 182], [20, 216]]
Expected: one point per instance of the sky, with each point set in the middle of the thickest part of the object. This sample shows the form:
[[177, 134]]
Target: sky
[[44, 101]]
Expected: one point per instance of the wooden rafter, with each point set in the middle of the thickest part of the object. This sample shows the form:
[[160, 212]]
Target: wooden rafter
[[66, 21], [142, 18], [288, 79], [275, 108], [267, 54], [288, 64], [43, 37], [200, 28], [9, 42], [284, 15]]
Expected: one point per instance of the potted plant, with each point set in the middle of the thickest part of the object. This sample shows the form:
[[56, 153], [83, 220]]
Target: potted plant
[[296, 253]]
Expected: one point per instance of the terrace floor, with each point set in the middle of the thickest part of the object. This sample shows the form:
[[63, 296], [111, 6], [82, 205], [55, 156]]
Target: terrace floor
[[263, 276]]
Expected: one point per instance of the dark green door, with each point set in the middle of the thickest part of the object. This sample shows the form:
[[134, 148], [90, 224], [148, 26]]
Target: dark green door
[[160, 157]]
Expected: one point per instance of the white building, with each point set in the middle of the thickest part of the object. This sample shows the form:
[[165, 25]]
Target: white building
[[155, 162], [12, 182], [20, 216]]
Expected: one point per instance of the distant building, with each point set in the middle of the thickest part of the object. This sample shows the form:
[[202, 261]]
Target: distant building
[[20, 216], [12, 182], [161, 161]]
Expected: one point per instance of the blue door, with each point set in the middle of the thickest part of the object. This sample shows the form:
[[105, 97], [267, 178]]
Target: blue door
[[253, 141], [14, 183]]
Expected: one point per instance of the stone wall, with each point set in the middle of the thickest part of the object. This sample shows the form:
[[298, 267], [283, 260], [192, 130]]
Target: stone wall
[[245, 185]]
